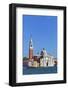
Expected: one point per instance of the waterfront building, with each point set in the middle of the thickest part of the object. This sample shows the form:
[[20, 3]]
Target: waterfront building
[[41, 62], [35, 64], [30, 63]]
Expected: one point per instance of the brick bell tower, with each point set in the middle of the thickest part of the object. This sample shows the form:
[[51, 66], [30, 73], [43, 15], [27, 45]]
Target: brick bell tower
[[31, 49]]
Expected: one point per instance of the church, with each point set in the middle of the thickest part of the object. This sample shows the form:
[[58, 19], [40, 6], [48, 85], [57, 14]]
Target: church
[[41, 60]]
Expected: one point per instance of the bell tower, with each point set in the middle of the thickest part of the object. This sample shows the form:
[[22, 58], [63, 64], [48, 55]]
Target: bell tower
[[30, 49]]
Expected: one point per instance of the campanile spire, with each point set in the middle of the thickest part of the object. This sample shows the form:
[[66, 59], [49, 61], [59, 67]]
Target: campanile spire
[[31, 48], [31, 43]]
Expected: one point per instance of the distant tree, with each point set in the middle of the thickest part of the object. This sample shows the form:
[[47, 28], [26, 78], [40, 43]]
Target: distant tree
[[25, 58]]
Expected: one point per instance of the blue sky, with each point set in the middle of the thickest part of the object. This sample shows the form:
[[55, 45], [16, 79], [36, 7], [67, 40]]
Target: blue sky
[[44, 33]]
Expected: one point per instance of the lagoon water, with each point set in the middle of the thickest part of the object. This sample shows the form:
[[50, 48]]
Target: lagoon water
[[39, 70]]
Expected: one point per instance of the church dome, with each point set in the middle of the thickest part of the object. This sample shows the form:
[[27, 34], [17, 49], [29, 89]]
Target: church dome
[[44, 52]]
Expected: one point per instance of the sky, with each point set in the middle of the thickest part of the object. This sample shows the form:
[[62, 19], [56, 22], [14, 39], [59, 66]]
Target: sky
[[43, 30]]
